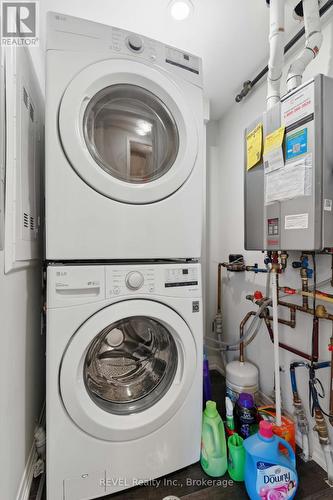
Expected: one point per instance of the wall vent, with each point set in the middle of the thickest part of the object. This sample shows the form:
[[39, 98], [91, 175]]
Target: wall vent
[[25, 97], [25, 220], [31, 111]]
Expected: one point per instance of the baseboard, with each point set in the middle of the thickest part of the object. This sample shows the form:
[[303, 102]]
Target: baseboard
[[216, 367], [28, 474]]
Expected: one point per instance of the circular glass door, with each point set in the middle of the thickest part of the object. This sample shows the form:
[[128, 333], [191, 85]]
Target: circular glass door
[[128, 130], [130, 133], [130, 365], [123, 375]]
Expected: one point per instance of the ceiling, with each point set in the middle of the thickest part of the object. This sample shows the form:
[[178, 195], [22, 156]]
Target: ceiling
[[231, 36]]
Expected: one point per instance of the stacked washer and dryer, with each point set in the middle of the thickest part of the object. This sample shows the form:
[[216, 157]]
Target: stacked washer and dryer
[[124, 212]]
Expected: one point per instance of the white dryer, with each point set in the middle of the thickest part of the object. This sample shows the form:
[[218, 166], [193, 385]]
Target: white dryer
[[124, 145], [124, 375]]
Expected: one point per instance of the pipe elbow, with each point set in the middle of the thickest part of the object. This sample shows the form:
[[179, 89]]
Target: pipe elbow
[[314, 38], [314, 42], [297, 68]]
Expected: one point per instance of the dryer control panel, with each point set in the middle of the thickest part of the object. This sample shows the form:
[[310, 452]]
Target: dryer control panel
[[75, 34]]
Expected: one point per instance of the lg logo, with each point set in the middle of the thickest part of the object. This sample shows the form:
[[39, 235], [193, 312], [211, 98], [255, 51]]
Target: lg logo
[[19, 23]]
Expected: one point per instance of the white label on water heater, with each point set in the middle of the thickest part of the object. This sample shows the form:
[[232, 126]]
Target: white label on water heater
[[327, 205], [297, 221], [298, 105]]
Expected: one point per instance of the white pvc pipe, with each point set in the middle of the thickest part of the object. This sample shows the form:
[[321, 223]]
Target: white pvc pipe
[[329, 463], [305, 447], [276, 349], [313, 43], [276, 51]]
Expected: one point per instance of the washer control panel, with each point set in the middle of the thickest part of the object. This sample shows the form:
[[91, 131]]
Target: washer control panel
[[124, 281], [70, 285], [184, 276], [173, 280], [134, 280]]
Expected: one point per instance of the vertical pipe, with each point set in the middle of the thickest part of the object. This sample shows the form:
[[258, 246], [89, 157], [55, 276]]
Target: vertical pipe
[[219, 288], [305, 288], [331, 381], [276, 51], [315, 340], [276, 348]]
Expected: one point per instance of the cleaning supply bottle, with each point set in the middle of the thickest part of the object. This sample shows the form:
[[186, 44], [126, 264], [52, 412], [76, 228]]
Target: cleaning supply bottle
[[229, 409], [246, 415], [269, 474], [207, 386], [236, 457], [213, 444]]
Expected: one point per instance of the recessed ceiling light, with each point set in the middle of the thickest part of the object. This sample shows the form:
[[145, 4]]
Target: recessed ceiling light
[[180, 9]]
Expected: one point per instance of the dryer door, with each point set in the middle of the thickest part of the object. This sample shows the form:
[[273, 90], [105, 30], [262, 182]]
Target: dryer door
[[128, 131], [127, 370]]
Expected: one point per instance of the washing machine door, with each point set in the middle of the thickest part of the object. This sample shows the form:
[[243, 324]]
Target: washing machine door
[[128, 131], [127, 370]]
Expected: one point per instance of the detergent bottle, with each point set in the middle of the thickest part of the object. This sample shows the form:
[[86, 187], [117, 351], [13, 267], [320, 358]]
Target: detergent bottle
[[269, 473], [213, 457]]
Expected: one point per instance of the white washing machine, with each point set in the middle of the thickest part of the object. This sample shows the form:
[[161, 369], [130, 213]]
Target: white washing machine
[[124, 145], [124, 375]]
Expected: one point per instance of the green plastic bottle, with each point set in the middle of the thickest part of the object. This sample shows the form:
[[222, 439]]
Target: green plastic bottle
[[236, 460], [213, 444]]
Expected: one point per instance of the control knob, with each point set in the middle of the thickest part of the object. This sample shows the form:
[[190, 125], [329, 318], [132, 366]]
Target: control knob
[[134, 280], [135, 43]]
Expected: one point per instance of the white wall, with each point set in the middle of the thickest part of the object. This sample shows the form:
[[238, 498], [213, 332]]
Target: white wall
[[227, 199], [22, 369], [214, 232]]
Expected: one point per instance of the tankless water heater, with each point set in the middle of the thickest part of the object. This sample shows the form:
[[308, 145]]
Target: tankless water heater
[[289, 186]]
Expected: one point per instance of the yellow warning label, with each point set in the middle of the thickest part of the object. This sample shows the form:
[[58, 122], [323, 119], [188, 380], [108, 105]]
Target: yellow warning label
[[254, 146], [274, 140]]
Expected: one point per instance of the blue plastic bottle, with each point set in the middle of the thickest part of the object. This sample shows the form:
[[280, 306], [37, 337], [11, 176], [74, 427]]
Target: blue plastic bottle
[[269, 474]]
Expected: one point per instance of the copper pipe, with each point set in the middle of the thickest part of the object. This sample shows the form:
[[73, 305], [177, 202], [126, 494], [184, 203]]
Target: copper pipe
[[285, 346], [288, 322], [305, 288], [219, 287], [308, 310], [315, 339], [291, 323], [331, 382]]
